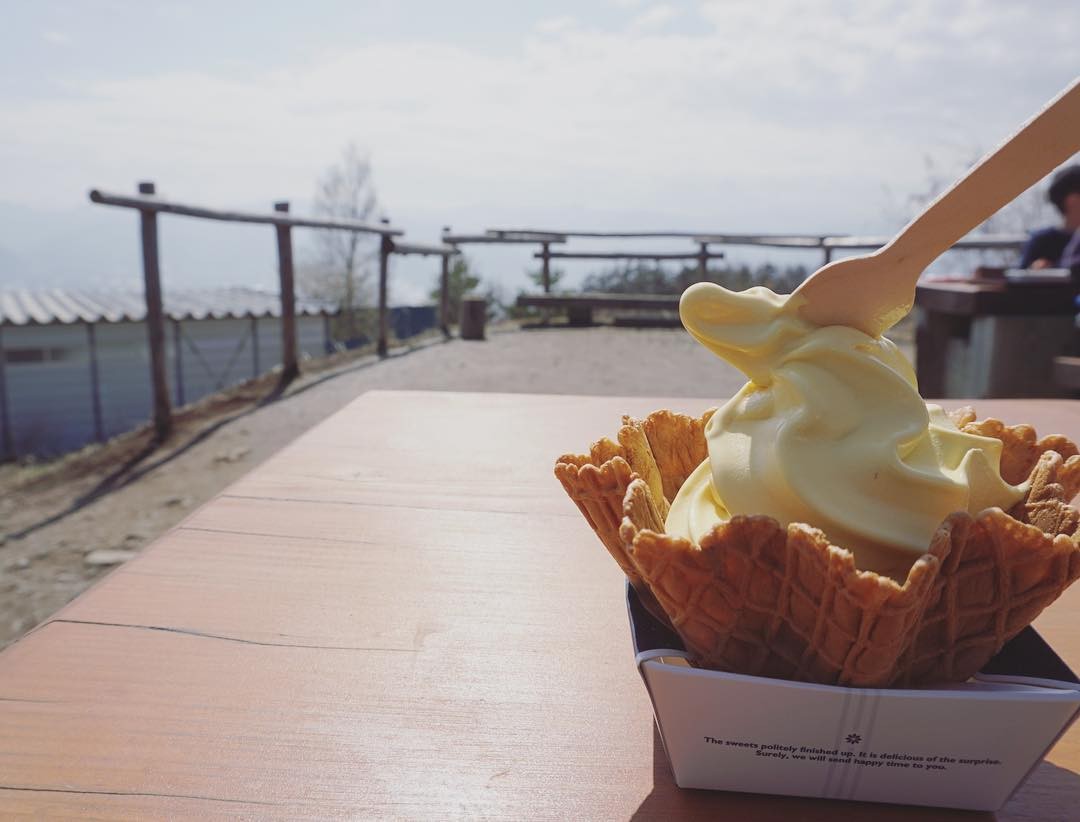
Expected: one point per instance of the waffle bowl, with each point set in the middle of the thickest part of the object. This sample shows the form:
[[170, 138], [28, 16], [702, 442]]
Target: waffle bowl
[[761, 599]]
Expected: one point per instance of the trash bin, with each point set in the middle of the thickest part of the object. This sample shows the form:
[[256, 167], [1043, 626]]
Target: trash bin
[[473, 317]]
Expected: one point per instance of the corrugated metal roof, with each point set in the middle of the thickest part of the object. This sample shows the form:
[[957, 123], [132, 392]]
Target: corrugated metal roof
[[63, 306]]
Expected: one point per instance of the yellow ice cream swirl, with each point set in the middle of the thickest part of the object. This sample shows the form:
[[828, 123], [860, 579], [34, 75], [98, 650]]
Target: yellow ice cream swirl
[[830, 431]]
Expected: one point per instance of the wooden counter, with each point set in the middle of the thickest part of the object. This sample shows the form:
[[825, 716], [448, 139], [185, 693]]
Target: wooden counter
[[1000, 299]]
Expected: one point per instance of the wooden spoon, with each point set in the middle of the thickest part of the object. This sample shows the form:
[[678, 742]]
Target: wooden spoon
[[872, 292]]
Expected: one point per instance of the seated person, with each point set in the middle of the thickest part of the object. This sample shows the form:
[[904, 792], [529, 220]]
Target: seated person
[[1058, 247]]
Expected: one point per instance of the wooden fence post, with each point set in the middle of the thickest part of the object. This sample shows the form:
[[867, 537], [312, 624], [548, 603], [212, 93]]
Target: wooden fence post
[[6, 439], [386, 246], [95, 383], [444, 291], [178, 360], [703, 262], [545, 271], [155, 318], [254, 346], [290, 370]]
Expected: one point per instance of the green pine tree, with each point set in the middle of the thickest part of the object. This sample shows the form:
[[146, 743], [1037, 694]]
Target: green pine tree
[[461, 282]]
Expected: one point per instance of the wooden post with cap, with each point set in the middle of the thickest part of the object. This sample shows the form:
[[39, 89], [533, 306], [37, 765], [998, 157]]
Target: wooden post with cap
[[444, 291], [290, 370], [386, 246], [7, 441], [155, 316]]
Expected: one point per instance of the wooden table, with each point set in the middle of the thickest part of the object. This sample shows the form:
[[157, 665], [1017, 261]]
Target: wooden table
[[992, 339], [400, 615]]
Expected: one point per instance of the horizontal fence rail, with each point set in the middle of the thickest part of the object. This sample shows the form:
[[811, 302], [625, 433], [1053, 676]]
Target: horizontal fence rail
[[827, 243], [537, 235], [150, 202], [424, 250], [461, 239], [628, 255]]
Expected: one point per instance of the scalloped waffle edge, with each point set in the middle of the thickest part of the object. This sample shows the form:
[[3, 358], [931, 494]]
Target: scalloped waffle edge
[[756, 598]]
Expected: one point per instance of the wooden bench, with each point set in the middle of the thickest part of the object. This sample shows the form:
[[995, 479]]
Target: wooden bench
[[579, 307]]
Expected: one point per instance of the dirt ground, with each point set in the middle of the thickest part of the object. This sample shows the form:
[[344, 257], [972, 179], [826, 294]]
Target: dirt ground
[[65, 524]]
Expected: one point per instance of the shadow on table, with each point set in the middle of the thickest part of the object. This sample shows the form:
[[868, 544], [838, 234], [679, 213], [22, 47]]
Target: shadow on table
[[667, 801], [1052, 792]]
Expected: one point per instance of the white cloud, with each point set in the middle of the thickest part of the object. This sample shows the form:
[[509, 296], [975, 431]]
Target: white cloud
[[554, 25], [764, 93], [56, 38], [764, 117], [654, 17]]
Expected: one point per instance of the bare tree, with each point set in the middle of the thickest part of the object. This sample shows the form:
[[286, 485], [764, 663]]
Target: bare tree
[[340, 267]]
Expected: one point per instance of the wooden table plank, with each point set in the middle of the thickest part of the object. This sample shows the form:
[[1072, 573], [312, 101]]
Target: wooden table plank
[[466, 454], [399, 616]]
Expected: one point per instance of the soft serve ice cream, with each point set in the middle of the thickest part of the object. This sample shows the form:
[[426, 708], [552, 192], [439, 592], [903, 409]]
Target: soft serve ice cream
[[830, 431]]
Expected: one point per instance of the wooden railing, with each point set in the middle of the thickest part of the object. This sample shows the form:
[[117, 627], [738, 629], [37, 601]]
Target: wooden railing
[[149, 205], [827, 244]]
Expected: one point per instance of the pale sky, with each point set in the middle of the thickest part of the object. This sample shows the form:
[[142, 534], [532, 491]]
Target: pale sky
[[719, 116]]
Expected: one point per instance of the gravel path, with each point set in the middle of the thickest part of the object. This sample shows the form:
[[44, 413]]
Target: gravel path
[[599, 360], [63, 526]]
